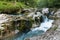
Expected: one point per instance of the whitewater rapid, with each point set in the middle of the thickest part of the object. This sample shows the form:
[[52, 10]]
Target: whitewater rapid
[[44, 26], [47, 24]]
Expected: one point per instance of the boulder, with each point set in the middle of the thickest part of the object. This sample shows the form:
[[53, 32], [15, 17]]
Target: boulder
[[45, 10], [57, 14]]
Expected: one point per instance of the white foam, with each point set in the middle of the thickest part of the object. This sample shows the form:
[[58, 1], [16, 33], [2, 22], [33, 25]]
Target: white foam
[[47, 24]]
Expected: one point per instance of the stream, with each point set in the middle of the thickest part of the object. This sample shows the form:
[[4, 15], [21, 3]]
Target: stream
[[44, 26]]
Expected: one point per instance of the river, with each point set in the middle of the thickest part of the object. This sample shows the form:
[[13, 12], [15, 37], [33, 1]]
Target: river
[[44, 26]]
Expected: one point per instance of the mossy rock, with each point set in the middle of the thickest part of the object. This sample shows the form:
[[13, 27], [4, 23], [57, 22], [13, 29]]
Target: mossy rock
[[25, 25]]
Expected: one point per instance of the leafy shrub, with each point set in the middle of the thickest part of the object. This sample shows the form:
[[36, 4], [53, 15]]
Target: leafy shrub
[[10, 7]]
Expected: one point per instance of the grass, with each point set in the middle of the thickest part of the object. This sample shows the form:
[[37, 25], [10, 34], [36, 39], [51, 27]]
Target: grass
[[11, 6]]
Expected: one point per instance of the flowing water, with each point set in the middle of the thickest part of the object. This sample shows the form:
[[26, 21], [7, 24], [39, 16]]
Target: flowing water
[[44, 26]]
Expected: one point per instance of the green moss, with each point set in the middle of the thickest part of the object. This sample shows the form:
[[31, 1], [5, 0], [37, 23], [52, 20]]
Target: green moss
[[25, 25], [11, 7], [55, 28]]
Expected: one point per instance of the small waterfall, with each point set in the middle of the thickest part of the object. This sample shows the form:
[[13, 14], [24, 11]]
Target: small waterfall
[[44, 26], [45, 19]]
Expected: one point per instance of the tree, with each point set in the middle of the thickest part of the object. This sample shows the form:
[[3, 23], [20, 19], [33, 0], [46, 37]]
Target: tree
[[31, 3], [42, 3], [57, 3], [48, 3]]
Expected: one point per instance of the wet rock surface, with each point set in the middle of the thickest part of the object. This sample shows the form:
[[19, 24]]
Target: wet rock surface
[[51, 34]]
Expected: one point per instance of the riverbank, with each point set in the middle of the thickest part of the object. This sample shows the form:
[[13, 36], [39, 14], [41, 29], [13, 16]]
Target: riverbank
[[11, 34]]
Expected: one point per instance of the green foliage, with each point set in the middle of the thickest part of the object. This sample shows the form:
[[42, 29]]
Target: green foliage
[[42, 3], [25, 25], [48, 3], [38, 3], [11, 7], [31, 3]]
